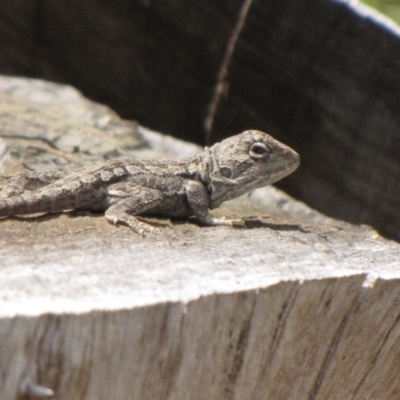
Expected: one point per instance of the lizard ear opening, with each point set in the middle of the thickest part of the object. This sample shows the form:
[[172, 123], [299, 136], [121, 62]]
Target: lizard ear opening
[[226, 172], [258, 151]]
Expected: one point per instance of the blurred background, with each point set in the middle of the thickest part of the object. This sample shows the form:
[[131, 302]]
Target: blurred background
[[390, 8]]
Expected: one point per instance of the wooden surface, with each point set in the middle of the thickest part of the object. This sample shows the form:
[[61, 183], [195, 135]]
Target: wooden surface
[[294, 306]]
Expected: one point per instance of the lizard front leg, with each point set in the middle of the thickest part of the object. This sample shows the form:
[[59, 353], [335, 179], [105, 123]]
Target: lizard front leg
[[30, 180], [199, 201], [130, 200]]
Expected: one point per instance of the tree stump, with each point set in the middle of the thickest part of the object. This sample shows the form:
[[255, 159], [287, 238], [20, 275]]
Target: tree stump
[[294, 306]]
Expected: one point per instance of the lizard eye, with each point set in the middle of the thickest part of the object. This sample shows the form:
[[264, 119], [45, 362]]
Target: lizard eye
[[258, 150], [226, 172]]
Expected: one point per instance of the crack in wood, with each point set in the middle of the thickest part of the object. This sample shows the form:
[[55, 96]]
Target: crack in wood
[[354, 308], [44, 145]]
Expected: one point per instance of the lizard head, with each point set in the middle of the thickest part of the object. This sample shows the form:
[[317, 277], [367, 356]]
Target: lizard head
[[247, 161]]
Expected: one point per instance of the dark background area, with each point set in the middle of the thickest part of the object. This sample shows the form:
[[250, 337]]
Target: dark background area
[[317, 74]]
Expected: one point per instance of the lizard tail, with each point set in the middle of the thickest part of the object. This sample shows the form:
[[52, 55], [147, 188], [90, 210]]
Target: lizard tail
[[44, 200], [36, 202], [26, 203]]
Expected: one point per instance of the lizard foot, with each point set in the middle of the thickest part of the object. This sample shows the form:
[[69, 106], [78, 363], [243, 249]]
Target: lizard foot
[[137, 226]]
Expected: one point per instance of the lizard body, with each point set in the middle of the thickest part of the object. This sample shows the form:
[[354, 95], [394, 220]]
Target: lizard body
[[125, 188]]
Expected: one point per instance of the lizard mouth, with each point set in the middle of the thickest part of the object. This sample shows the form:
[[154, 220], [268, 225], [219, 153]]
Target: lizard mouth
[[251, 177]]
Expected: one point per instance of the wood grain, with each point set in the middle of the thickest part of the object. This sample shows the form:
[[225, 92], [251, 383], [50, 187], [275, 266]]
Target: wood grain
[[295, 306]]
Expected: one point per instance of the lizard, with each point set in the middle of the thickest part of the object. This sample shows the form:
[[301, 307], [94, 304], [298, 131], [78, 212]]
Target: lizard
[[127, 188]]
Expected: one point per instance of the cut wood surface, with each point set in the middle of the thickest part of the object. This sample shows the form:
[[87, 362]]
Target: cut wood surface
[[295, 305]]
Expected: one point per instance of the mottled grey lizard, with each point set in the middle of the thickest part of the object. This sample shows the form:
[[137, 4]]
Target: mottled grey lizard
[[125, 188]]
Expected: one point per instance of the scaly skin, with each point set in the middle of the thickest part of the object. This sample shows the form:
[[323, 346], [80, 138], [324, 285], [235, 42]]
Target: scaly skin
[[127, 187]]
